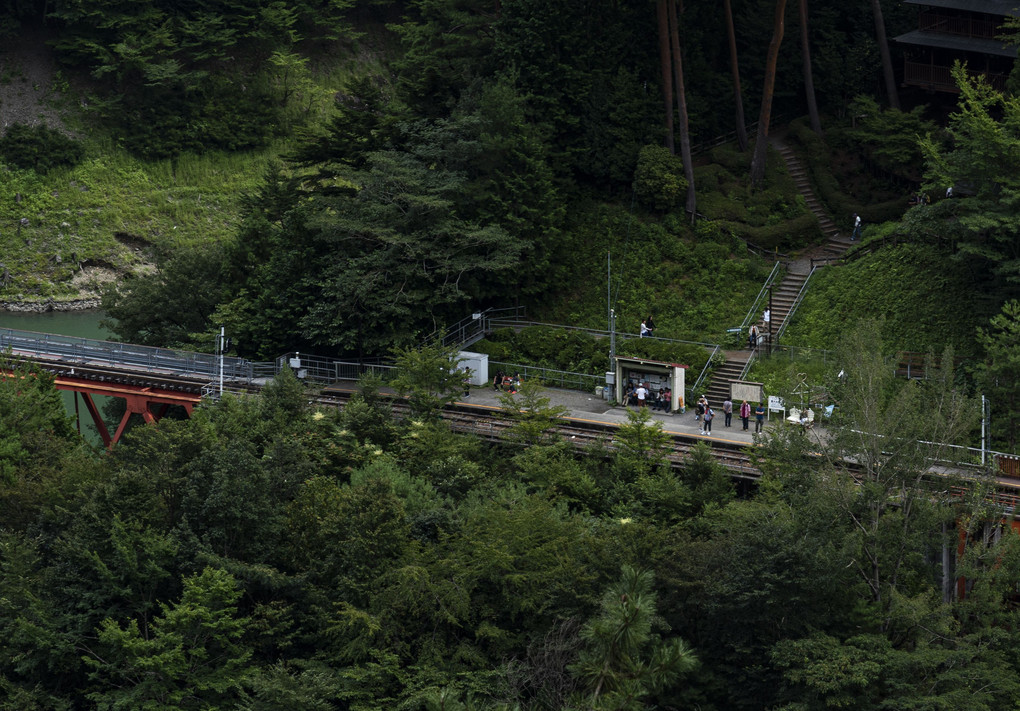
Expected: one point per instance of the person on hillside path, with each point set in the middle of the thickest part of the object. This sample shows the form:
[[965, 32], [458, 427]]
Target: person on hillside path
[[857, 228], [709, 416], [727, 410], [759, 417], [645, 331], [745, 413], [650, 322]]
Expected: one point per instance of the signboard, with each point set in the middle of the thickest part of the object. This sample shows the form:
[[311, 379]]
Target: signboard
[[741, 390], [776, 405]]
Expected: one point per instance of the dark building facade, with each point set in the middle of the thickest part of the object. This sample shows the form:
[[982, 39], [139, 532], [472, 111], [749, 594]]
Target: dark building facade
[[965, 30]]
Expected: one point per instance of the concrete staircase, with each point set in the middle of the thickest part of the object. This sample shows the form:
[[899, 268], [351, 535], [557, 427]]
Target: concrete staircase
[[719, 386], [835, 243], [784, 294]]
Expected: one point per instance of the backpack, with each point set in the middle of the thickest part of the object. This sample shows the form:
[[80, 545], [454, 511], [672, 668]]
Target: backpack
[[709, 414]]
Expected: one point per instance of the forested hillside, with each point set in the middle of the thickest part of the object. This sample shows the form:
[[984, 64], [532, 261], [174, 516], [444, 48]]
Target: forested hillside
[[268, 555], [345, 177]]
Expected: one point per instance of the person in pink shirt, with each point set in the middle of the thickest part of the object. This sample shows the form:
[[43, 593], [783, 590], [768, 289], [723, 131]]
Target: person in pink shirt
[[745, 413]]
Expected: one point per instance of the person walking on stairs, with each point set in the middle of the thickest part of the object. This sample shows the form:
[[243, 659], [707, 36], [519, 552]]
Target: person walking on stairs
[[856, 234]]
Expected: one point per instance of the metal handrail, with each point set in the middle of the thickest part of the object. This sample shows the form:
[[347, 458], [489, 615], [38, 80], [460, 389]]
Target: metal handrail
[[794, 305], [501, 323], [561, 378], [752, 313], [704, 371], [71, 349], [747, 364], [473, 328]]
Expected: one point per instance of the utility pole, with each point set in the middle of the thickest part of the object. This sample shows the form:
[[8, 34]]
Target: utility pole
[[984, 430], [612, 338], [219, 348]]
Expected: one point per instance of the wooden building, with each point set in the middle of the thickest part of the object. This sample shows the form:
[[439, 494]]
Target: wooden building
[[965, 30]]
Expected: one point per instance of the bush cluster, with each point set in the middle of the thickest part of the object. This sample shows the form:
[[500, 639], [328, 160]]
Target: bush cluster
[[38, 148], [580, 352]]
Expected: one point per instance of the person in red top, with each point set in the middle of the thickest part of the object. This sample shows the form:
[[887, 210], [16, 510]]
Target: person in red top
[[745, 413]]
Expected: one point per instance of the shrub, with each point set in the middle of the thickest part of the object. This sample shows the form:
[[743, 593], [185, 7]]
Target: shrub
[[659, 178], [580, 352], [38, 148]]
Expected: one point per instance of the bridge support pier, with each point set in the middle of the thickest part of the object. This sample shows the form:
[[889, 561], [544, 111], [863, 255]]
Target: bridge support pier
[[151, 403]]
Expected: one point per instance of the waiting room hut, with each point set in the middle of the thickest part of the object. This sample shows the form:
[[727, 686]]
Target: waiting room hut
[[658, 375]]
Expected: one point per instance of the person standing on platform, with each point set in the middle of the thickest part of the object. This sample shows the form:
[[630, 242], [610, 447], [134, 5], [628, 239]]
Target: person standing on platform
[[759, 417], [641, 393], [709, 416], [727, 411], [745, 413]]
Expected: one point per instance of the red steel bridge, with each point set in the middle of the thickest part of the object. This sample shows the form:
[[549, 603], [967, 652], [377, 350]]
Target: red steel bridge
[[149, 380]]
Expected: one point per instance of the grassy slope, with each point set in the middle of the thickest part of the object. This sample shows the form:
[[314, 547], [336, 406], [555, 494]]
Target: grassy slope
[[104, 213], [924, 301], [107, 209]]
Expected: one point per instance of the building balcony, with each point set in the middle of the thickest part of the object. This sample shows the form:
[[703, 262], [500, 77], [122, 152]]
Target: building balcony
[[936, 77]]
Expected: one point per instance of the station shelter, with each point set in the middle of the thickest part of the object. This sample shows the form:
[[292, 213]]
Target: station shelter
[[656, 373]]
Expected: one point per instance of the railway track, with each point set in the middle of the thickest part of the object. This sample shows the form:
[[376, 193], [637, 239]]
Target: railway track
[[492, 424]]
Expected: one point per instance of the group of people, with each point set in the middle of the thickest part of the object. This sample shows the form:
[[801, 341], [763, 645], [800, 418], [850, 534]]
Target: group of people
[[506, 383], [648, 327], [704, 414], [641, 395]]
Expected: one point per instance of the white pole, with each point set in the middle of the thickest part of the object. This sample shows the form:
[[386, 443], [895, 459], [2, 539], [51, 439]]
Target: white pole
[[983, 430], [219, 347]]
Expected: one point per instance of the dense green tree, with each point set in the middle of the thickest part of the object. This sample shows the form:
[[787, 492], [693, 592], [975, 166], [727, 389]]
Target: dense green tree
[[172, 306], [979, 160], [998, 375], [533, 412], [430, 376], [185, 77], [191, 657], [36, 438], [624, 659]]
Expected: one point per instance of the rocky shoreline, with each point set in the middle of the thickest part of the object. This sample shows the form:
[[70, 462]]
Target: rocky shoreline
[[41, 307]]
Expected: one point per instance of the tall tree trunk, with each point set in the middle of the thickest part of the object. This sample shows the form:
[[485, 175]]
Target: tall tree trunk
[[681, 102], [667, 74], [883, 48], [762, 141], [738, 96], [809, 80]]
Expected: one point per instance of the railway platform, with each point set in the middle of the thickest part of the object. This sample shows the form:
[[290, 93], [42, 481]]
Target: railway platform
[[587, 407]]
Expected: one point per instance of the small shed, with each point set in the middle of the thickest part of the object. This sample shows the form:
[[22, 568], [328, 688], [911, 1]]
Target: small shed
[[658, 375]]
